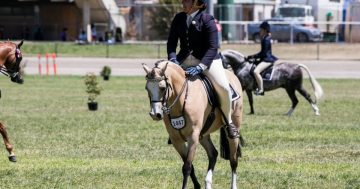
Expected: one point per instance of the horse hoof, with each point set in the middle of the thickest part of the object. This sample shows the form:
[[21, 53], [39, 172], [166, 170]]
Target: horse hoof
[[12, 158]]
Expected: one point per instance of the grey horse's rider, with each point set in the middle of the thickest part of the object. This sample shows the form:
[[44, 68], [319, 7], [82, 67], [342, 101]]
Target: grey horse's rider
[[264, 58]]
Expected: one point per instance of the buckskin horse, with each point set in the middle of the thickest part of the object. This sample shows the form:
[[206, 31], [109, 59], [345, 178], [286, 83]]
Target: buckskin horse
[[184, 102], [286, 75], [10, 59]]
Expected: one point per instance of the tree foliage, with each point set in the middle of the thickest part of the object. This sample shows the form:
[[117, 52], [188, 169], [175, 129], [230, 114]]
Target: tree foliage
[[162, 16]]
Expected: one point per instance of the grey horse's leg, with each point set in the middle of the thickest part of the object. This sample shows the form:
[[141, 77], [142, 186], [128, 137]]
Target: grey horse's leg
[[294, 100], [251, 101], [307, 96], [7, 143], [212, 155]]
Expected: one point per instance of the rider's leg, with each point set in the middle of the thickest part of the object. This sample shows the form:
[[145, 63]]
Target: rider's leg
[[259, 68], [216, 73]]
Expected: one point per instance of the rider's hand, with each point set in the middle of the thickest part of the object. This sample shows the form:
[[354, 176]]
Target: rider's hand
[[194, 70], [175, 61]]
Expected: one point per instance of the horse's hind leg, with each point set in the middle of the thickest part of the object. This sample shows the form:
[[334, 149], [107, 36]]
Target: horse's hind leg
[[212, 155], [307, 96], [234, 145], [7, 143], [294, 100]]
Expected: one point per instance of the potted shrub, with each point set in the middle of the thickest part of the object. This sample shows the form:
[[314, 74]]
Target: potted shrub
[[105, 72], [93, 89]]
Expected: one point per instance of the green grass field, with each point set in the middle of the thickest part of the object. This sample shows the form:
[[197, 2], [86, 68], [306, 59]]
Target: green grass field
[[60, 144]]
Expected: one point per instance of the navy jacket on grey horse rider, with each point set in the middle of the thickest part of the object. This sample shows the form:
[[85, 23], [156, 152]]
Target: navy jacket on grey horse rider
[[265, 55]]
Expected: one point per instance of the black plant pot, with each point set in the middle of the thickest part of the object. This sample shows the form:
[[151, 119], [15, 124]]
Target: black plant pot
[[106, 77], [93, 106]]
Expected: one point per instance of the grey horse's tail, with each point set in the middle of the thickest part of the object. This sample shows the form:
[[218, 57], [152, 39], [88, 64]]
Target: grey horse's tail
[[316, 86]]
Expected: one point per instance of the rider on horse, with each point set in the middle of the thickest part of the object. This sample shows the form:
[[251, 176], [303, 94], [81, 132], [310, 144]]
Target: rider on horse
[[264, 58], [198, 53]]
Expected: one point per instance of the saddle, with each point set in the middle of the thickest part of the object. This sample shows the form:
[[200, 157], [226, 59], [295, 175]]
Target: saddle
[[210, 91], [266, 74]]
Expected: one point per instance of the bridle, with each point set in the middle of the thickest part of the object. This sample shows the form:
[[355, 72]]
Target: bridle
[[165, 98], [10, 72]]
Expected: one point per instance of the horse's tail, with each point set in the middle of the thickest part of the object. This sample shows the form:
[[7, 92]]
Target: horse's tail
[[316, 86], [225, 148]]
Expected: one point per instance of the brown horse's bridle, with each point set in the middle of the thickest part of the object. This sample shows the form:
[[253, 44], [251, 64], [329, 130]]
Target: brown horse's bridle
[[9, 72]]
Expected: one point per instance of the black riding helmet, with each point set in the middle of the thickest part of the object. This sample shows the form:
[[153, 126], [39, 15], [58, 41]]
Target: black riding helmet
[[201, 2], [265, 25]]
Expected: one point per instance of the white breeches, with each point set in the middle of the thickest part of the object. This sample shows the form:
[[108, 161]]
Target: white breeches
[[259, 68], [217, 75]]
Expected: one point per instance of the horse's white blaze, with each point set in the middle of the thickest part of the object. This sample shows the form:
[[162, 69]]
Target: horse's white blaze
[[208, 179], [233, 181]]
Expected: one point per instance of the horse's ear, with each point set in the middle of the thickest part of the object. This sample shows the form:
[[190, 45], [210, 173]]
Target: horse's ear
[[21, 42], [146, 68]]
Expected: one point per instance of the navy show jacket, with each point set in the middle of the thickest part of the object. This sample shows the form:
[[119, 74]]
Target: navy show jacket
[[265, 55], [199, 39]]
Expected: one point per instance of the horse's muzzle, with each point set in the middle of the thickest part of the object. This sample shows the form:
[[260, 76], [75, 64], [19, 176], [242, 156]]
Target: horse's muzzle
[[156, 116], [156, 112]]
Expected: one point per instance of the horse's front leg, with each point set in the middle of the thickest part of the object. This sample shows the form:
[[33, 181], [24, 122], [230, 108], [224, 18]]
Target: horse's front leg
[[182, 149], [188, 168], [251, 101], [7, 143]]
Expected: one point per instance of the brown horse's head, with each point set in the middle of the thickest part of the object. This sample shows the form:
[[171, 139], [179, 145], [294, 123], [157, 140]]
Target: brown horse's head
[[156, 87], [10, 59]]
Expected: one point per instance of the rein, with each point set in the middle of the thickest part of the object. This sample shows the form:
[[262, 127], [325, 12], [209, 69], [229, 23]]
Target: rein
[[168, 109], [8, 73]]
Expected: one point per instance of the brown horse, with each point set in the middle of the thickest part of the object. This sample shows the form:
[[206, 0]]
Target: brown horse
[[10, 58], [184, 101]]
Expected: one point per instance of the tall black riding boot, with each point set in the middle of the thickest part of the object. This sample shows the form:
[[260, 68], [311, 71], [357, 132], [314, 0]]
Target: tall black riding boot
[[232, 132]]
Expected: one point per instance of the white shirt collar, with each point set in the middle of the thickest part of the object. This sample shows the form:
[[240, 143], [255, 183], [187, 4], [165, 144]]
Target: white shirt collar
[[193, 14]]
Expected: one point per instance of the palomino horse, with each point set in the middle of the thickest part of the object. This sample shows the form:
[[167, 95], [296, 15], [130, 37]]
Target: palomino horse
[[285, 75], [184, 100], [10, 58]]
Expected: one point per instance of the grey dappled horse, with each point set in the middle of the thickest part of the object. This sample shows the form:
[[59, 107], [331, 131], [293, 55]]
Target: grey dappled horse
[[285, 75]]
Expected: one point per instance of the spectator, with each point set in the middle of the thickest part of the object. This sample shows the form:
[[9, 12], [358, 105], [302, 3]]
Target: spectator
[[118, 35], [38, 34], [82, 37], [64, 34], [93, 33]]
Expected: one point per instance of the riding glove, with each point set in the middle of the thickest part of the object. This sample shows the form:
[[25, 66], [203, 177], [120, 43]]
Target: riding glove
[[175, 61], [194, 70]]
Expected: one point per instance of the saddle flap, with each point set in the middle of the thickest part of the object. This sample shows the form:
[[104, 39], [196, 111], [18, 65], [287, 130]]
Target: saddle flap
[[211, 93]]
